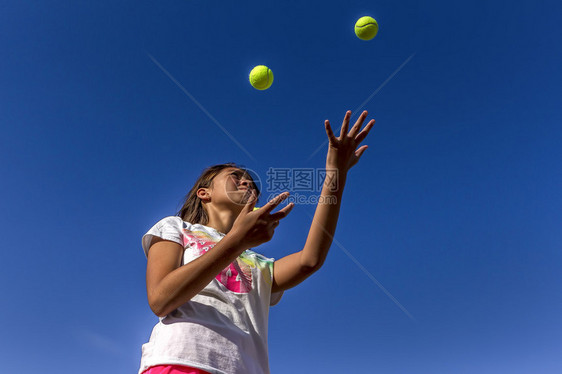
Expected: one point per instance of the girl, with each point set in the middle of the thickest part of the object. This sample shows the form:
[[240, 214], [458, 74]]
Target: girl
[[211, 292]]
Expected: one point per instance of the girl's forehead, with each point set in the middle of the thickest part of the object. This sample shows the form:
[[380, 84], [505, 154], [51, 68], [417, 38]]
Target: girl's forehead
[[240, 173], [232, 170]]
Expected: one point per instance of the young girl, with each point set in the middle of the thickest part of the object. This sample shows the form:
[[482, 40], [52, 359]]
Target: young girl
[[211, 292]]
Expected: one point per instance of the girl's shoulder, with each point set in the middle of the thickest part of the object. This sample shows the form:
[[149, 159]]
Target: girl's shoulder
[[178, 223], [168, 228], [190, 229], [170, 220]]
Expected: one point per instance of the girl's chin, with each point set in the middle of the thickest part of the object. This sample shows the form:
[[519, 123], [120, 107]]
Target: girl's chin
[[239, 197]]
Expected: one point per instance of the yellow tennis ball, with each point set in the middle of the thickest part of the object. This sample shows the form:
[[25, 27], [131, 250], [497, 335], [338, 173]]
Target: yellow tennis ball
[[256, 208], [366, 28], [261, 77]]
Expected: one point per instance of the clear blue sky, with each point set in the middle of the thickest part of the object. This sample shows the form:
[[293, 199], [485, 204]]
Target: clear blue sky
[[455, 208]]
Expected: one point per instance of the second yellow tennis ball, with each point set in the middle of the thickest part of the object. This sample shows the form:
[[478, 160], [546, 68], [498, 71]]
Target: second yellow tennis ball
[[261, 77], [366, 28]]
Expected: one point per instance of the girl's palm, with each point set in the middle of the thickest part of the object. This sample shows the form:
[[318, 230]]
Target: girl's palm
[[342, 151]]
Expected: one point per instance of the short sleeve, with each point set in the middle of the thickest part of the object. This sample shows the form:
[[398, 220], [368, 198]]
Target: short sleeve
[[169, 228]]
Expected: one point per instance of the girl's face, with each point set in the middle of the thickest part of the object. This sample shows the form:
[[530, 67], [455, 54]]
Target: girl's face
[[231, 185]]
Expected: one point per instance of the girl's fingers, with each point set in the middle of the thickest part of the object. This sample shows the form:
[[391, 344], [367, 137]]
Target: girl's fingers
[[267, 208], [345, 124], [282, 213], [360, 151], [331, 137], [363, 134], [358, 155], [355, 129]]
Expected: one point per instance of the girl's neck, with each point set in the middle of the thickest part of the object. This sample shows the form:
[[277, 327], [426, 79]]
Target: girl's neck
[[221, 221]]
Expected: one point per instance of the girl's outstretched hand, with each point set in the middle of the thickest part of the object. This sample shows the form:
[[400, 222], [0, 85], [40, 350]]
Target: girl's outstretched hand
[[253, 228], [342, 151]]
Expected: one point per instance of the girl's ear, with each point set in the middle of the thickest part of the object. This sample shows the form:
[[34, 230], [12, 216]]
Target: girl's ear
[[203, 194]]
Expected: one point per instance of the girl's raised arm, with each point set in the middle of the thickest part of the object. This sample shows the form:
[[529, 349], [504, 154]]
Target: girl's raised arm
[[342, 155]]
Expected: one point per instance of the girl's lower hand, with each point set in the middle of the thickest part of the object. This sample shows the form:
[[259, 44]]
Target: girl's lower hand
[[342, 151], [253, 228]]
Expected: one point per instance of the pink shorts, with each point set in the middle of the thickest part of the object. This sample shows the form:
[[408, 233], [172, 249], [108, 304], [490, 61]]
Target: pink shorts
[[173, 369]]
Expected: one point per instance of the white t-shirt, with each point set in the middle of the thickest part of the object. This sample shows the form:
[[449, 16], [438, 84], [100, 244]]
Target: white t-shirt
[[223, 329]]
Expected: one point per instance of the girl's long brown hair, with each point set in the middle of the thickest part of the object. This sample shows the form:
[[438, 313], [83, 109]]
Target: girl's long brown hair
[[192, 210]]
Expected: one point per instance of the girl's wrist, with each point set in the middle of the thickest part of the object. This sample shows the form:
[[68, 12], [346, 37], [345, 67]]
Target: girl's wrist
[[234, 240], [335, 171], [334, 180], [334, 166]]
